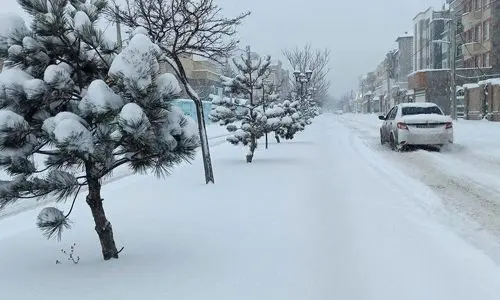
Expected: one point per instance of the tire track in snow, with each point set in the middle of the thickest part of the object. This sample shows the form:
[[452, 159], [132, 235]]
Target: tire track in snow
[[469, 195]]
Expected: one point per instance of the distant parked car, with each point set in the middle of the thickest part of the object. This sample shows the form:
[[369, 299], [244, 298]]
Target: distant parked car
[[339, 112], [419, 124]]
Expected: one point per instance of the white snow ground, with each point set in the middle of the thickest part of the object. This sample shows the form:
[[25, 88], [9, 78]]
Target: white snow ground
[[465, 175], [326, 216]]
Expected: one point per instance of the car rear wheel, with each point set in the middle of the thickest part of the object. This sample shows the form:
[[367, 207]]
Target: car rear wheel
[[392, 143]]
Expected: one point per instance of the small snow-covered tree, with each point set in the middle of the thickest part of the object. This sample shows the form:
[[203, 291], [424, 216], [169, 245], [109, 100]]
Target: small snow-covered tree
[[246, 119], [309, 109], [72, 111], [291, 120]]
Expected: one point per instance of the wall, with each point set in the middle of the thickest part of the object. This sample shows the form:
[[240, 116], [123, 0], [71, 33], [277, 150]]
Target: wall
[[473, 103], [405, 57], [495, 37]]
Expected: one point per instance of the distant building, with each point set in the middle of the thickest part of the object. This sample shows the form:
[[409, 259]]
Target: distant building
[[203, 75], [279, 76], [429, 27], [404, 59]]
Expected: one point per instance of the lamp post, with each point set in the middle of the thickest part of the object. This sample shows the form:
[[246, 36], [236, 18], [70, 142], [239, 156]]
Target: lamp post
[[302, 78], [264, 83]]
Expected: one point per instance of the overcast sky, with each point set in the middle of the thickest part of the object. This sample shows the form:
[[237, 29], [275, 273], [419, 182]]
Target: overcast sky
[[358, 32]]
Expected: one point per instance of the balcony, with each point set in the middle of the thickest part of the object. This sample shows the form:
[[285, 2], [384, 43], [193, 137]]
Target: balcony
[[472, 19], [471, 49]]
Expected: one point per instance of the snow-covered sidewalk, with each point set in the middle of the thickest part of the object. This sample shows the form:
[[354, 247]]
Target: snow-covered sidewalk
[[321, 217], [216, 135]]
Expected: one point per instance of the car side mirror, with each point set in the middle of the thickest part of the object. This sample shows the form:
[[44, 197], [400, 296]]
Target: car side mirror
[[381, 118]]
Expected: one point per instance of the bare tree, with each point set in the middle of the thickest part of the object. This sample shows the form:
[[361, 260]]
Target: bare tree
[[316, 60], [184, 27]]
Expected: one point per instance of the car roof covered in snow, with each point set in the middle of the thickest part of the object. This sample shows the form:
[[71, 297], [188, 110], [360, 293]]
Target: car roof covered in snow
[[418, 104]]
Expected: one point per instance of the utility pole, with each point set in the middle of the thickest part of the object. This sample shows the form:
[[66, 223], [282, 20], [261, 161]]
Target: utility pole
[[388, 101], [264, 107], [453, 65]]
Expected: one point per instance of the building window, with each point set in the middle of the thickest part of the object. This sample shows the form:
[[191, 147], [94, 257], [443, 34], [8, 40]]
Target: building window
[[486, 30], [476, 34], [486, 60]]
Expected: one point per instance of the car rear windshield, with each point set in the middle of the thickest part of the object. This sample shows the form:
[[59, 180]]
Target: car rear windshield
[[419, 110]]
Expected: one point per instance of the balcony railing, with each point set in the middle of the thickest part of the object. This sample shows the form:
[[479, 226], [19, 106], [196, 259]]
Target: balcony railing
[[471, 49], [472, 19]]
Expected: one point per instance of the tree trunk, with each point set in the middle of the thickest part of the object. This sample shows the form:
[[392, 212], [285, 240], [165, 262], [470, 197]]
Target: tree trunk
[[102, 225], [205, 149], [253, 146], [277, 138]]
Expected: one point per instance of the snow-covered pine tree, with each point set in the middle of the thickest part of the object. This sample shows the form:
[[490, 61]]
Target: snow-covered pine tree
[[246, 119], [71, 112], [309, 109], [291, 121], [272, 111]]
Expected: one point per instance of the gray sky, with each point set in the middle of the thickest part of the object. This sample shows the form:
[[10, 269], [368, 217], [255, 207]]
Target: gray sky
[[358, 32]]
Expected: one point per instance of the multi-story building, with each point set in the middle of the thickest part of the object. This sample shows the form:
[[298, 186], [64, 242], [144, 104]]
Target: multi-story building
[[478, 45], [404, 59], [429, 27], [279, 76], [203, 75]]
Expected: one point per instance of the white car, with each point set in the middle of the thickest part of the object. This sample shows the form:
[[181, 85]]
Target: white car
[[419, 124]]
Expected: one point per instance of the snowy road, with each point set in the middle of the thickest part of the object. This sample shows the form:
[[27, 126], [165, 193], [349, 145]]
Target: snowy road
[[385, 240], [326, 216], [465, 175]]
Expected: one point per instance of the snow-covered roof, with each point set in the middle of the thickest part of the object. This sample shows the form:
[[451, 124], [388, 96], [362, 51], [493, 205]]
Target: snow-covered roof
[[492, 81], [427, 70], [418, 104], [470, 85]]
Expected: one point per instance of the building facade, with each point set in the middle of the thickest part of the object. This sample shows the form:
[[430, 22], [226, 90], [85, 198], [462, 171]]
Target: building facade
[[203, 75], [477, 40], [429, 28], [404, 59], [279, 76]]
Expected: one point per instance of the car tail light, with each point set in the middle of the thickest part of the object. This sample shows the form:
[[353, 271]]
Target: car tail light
[[449, 125], [402, 125]]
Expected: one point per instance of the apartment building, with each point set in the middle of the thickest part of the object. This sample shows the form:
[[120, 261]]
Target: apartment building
[[476, 43], [429, 27], [280, 76], [404, 57], [203, 75]]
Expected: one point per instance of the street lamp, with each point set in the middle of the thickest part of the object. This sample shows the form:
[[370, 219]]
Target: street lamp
[[309, 74], [302, 78]]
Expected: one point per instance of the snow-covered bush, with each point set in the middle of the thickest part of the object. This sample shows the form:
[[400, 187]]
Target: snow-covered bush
[[67, 97], [291, 121], [244, 118]]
